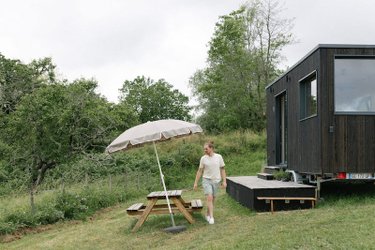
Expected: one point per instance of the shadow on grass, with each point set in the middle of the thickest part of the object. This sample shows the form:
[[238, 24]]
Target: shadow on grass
[[334, 194], [157, 223]]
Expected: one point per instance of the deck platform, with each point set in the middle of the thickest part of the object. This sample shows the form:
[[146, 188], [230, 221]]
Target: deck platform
[[247, 189]]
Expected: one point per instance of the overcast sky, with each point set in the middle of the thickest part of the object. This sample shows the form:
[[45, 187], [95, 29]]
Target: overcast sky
[[117, 40]]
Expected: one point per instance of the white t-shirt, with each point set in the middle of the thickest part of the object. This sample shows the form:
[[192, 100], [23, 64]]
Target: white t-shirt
[[211, 166]]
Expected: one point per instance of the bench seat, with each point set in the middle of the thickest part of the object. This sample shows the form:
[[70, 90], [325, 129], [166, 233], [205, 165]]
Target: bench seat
[[196, 204], [287, 200], [138, 208]]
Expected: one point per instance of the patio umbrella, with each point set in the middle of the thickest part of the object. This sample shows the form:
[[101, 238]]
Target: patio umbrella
[[151, 132]]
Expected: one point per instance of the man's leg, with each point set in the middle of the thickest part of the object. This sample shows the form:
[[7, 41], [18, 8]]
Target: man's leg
[[210, 205]]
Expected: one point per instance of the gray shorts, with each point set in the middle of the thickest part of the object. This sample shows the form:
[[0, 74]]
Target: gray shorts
[[210, 187]]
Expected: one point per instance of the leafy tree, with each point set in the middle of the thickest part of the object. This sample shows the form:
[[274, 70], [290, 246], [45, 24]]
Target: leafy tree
[[18, 79], [55, 123], [242, 59], [154, 100]]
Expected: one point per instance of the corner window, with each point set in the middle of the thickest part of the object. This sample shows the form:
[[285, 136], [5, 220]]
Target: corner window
[[308, 96], [354, 84]]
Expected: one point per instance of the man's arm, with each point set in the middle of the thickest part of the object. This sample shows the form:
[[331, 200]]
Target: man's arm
[[197, 177], [223, 177]]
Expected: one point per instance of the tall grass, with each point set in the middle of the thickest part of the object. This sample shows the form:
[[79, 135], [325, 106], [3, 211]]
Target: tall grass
[[77, 201], [76, 190]]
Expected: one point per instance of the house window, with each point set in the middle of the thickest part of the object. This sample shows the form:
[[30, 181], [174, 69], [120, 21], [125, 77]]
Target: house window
[[354, 84], [308, 96]]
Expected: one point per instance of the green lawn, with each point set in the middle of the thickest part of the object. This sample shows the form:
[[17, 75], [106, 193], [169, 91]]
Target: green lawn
[[341, 222]]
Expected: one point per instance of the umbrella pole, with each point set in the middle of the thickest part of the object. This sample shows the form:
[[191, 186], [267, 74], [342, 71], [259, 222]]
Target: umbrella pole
[[165, 189]]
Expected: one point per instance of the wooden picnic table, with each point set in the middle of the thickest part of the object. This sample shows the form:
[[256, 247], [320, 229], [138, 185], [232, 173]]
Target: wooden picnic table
[[177, 205]]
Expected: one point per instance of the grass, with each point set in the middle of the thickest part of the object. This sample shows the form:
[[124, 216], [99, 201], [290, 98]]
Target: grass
[[341, 222]]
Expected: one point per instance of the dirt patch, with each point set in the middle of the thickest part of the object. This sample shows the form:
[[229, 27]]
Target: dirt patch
[[23, 231]]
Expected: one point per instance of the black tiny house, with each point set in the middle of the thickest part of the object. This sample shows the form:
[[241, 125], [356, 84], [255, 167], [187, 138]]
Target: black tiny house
[[321, 114]]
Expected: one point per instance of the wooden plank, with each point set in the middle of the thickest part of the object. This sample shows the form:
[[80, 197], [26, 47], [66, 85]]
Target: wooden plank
[[135, 207], [196, 204], [193, 203], [182, 209], [199, 203], [287, 198], [150, 195], [131, 207], [161, 194], [145, 214], [163, 210]]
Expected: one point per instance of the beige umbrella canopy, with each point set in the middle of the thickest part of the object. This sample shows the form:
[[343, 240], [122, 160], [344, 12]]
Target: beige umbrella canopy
[[151, 132]]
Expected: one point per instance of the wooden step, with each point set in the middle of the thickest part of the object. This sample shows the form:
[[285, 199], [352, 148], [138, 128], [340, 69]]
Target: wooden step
[[265, 176], [271, 169]]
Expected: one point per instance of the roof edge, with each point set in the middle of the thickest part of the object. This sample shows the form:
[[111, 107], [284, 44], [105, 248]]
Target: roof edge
[[323, 46]]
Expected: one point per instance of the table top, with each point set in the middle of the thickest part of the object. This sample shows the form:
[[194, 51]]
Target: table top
[[161, 194]]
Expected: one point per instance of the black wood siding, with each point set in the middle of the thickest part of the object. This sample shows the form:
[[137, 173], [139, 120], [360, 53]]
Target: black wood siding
[[303, 136], [351, 147], [326, 143]]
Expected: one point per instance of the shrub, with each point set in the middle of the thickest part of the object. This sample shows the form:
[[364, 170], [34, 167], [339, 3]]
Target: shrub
[[21, 218], [7, 227], [73, 206], [48, 214]]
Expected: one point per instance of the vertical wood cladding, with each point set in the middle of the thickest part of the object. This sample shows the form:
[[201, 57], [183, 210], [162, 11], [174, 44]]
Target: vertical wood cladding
[[351, 147], [328, 142], [304, 135]]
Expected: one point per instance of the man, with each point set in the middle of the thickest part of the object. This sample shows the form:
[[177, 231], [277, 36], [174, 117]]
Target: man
[[211, 166]]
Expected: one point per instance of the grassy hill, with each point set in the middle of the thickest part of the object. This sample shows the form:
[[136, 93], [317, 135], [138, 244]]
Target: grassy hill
[[77, 190], [343, 221]]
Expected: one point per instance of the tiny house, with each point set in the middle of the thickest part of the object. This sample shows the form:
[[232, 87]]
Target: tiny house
[[321, 115]]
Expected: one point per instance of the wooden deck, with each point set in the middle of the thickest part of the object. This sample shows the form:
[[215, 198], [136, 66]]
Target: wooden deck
[[255, 182], [247, 190]]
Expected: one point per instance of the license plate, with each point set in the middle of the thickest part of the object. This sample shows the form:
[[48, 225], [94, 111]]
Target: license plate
[[360, 176]]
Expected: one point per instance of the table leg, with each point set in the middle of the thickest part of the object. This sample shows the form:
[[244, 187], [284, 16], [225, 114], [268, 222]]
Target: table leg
[[145, 214], [183, 210]]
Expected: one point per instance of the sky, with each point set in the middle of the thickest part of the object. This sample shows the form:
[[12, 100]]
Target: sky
[[117, 40]]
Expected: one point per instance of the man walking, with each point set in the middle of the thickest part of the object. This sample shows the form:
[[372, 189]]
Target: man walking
[[211, 166]]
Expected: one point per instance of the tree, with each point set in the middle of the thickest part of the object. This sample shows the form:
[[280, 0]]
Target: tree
[[18, 79], [154, 100], [55, 123], [242, 59]]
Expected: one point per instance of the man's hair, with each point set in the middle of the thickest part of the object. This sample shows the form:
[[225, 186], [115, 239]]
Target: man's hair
[[210, 144]]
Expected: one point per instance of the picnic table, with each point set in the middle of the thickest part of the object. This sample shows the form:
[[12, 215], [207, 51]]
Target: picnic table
[[178, 205]]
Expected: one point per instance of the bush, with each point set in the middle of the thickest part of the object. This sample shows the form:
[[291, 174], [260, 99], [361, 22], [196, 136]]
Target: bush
[[7, 227], [282, 175], [48, 215], [72, 206], [66, 205], [21, 218]]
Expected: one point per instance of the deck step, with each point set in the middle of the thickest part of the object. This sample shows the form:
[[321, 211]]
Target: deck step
[[265, 176], [271, 169]]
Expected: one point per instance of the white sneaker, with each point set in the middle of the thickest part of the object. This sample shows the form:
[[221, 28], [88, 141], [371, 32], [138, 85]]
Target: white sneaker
[[208, 218], [211, 221]]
